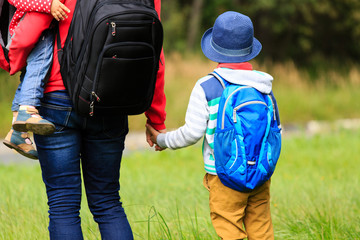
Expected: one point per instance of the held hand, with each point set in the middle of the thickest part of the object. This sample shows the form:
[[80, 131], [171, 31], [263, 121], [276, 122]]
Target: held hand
[[58, 10], [151, 135], [148, 137]]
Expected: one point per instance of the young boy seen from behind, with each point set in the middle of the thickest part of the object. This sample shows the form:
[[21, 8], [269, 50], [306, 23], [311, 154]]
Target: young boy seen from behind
[[231, 43]]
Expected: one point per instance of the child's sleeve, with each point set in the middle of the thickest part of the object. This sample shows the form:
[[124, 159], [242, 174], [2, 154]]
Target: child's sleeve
[[197, 116], [42, 6], [25, 38]]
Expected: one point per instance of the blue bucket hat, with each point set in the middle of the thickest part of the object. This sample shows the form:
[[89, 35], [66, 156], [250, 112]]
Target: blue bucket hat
[[231, 39]]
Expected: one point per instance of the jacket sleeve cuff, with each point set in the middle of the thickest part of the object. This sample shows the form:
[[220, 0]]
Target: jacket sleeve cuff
[[157, 126], [161, 140]]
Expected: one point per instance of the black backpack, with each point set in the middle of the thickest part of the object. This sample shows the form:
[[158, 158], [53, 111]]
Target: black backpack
[[111, 56]]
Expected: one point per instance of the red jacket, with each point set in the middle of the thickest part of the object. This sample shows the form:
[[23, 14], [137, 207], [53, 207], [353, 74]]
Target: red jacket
[[155, 114]]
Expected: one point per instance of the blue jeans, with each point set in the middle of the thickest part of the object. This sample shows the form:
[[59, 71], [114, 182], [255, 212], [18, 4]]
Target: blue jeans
[[32, 80], [92, 146]]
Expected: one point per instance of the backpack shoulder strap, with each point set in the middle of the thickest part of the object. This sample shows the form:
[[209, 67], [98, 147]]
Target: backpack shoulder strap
[[218, 77], [58, 42], [276, 109]]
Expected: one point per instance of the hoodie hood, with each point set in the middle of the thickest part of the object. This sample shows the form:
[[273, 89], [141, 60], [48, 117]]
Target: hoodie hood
[[261, 81]]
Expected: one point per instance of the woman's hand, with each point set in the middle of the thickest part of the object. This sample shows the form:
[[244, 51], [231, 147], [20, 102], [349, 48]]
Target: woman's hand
[[151, 135]]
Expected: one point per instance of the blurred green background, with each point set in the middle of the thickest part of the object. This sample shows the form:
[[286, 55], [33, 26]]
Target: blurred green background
[[304, 31]]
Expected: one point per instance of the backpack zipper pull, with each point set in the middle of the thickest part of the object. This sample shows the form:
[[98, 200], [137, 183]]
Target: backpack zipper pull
[[96, 96], [234, 116], [113, 27], [91, 113]]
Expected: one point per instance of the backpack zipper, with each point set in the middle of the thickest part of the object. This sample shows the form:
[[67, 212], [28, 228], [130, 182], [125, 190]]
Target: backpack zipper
[[113, 29], [236, 147], [114, 24], [243, 105], [93, 94], [272, 103], [226, 102]]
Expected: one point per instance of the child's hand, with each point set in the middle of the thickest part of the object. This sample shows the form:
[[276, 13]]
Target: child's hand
[[58, 10]]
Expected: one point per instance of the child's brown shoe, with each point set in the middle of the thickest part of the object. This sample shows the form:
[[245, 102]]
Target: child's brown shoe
[[30, 120], [21, 143]]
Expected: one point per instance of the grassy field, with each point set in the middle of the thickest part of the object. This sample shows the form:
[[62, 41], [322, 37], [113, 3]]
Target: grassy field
[[315, 193]]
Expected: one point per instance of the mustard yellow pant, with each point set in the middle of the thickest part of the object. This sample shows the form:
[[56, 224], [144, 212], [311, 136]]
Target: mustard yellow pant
[[237, 215]]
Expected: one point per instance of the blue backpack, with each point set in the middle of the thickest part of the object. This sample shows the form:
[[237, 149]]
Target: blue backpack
[[247, 139]]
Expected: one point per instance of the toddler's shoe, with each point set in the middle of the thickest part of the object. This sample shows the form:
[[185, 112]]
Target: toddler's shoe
[[30, 120], [21, 143]]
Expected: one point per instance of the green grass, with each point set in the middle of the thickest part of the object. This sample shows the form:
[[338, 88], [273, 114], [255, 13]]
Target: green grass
[[315, 189], [314, 194]]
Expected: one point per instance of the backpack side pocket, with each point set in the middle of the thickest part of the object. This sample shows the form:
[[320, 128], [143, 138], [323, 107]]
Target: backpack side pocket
[[274, 145]]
